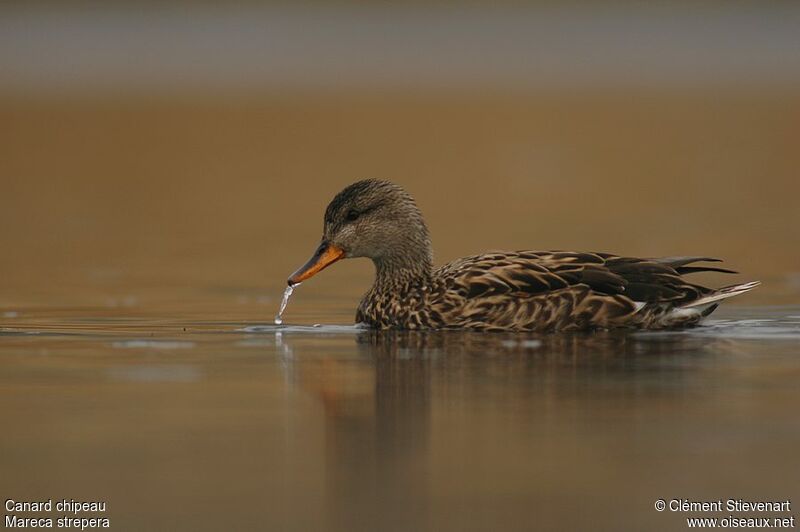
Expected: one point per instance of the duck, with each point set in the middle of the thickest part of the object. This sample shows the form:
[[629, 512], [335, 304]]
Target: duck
[[535, 291]]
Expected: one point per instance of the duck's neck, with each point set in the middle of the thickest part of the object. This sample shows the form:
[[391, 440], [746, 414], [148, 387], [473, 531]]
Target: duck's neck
[[408, 267]]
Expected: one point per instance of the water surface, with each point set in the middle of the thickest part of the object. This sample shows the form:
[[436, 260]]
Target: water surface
[[208, 424]]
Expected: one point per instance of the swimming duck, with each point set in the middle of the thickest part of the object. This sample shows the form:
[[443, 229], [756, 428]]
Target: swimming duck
[[541, 291]]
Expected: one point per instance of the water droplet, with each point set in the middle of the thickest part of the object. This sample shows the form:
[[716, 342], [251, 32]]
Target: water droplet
[[285, 301]]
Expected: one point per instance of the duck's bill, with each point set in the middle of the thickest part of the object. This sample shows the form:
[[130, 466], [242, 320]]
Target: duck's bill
[[325, 255]]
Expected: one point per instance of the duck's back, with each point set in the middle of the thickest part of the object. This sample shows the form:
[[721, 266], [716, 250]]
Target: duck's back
[[560, 291]]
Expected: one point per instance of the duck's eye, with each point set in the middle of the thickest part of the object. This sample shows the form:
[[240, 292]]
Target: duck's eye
[[352, 215]]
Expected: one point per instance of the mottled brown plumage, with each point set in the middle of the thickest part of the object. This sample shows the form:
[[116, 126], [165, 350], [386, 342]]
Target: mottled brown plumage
[[516, 291]]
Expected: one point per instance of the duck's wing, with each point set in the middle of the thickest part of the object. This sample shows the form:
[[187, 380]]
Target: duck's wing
[[563, 290]]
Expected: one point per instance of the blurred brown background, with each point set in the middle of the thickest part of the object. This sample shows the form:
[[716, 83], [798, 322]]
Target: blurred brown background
[[156, 150]]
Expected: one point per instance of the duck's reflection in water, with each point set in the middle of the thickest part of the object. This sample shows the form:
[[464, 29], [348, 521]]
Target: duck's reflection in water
[[409, 407], [377, 444]]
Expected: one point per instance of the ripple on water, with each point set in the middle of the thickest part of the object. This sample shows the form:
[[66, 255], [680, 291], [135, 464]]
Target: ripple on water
[[525, 344], [784, 328], [311, 329], [152, 344]]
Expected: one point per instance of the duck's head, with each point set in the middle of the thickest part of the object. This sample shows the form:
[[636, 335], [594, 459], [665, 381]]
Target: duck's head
[[375, 219]]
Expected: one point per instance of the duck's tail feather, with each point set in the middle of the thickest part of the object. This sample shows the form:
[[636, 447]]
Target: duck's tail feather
[[692, 312], [681, 264], [720, 294]]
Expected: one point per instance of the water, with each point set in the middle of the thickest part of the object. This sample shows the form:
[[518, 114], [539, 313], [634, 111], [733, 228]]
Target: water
[[193, 422], [285, 301]]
